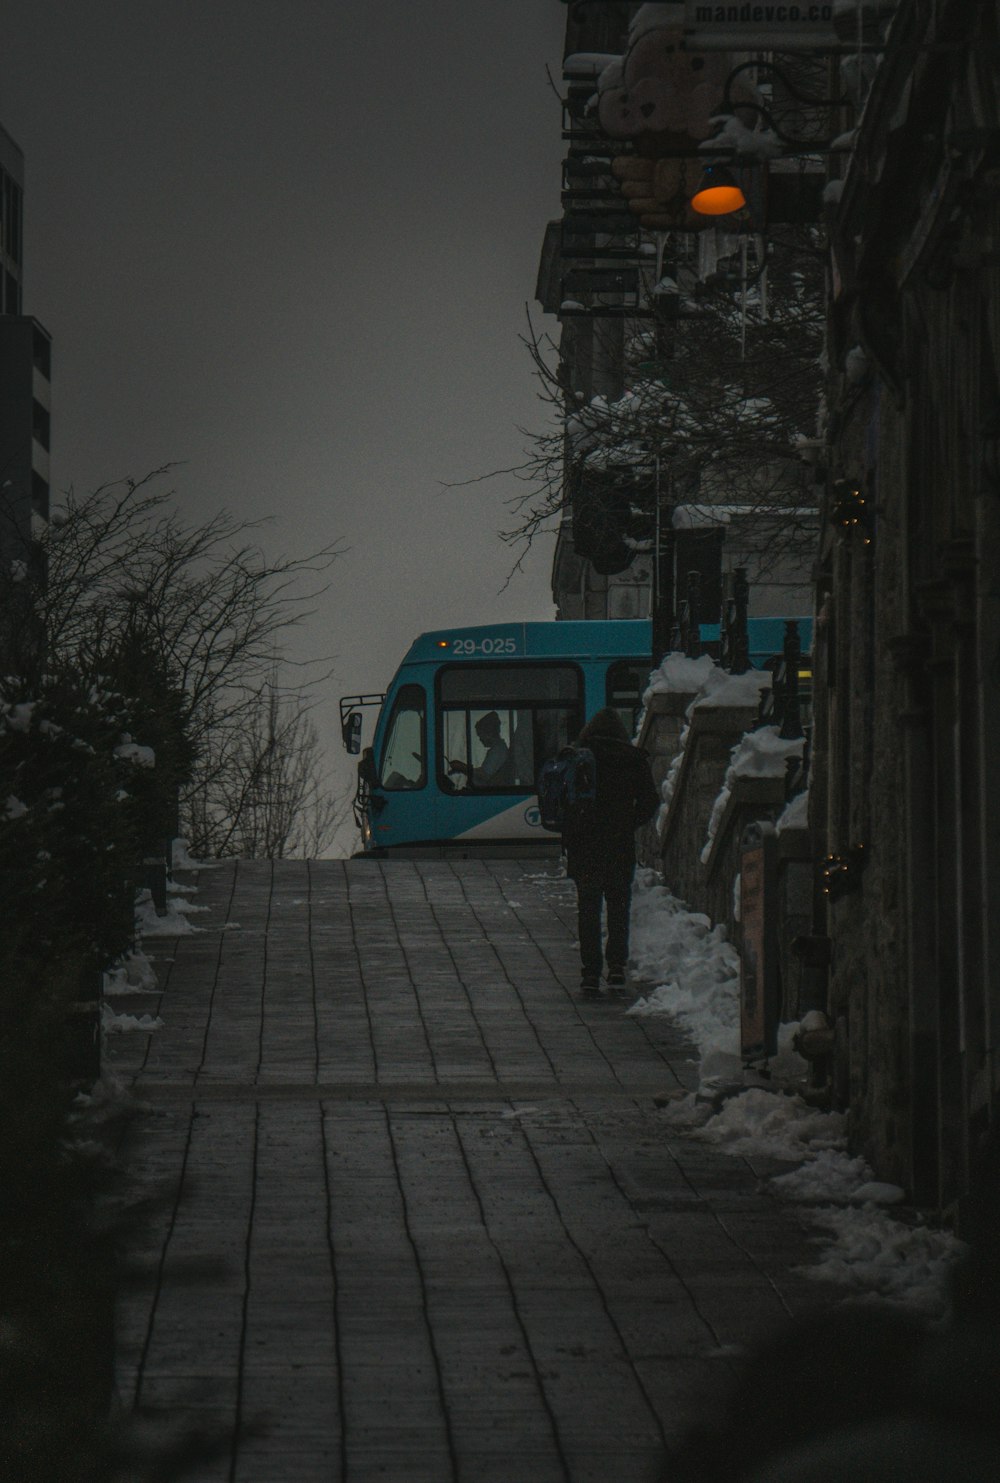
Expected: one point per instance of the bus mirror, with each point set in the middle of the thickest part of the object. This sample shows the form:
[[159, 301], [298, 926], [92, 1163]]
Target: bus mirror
[[366, 767], [351, 732]]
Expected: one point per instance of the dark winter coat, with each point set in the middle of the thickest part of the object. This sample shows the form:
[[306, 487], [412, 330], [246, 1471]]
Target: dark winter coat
[[626, 799]]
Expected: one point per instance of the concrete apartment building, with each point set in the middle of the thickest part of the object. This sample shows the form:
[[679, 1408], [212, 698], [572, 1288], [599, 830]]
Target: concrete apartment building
[[25, 393]]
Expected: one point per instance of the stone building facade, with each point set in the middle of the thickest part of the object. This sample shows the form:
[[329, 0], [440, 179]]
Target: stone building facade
[[907, 659]]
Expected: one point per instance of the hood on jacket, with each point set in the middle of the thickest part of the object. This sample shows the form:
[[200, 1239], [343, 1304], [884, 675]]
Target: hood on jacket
[[604, 725]]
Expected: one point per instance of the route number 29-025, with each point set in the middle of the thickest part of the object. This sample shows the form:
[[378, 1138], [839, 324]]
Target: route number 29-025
[[484, 646]]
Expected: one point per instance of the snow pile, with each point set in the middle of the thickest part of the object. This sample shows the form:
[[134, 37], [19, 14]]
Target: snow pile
[[736, 690], [705, 682], [18, 717], [696, 972], [679, 675], [180, 859], [768, 1125], [757, 754], [173, 923], [886, 1258], [831, 1176], [122, 1024], [694, 968], [132, 974], [130, 751]]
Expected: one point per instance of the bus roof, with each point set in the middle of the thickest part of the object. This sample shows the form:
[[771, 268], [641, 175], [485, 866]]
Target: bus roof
[[579, 639], [626, 638]]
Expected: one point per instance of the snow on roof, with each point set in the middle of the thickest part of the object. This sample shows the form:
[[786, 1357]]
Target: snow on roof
[[757, 144], [727, 689], [678, 673], [691, 517], [589, 63], [613, 75]]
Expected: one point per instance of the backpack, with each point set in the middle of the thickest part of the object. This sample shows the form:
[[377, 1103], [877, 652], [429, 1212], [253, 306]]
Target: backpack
[[567, 791]]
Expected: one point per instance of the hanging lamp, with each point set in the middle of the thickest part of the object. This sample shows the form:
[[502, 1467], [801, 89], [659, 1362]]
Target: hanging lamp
[[719, 193]]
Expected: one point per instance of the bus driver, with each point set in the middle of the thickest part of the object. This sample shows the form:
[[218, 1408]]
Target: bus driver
[[497, 752]]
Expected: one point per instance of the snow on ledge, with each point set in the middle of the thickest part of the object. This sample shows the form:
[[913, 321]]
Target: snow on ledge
[[758, 754]]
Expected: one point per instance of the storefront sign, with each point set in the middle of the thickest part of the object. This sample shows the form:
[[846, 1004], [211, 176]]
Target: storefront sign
[[758, 949], [749, 26]]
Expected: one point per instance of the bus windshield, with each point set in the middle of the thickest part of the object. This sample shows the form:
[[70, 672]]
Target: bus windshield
[[403, 759]]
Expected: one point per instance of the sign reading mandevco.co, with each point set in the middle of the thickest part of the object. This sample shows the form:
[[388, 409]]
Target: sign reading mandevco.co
[[752, 26], [758, 955]]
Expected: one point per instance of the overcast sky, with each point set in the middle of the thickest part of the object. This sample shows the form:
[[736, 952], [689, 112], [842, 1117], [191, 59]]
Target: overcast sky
[[288, 244]]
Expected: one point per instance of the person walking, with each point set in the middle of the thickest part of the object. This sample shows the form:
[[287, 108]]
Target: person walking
[[600, 856]]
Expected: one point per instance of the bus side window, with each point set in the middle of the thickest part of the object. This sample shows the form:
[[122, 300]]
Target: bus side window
[[522, 751], [554, 729], [498, 723], [455, 747], [404, 757], [626, 681]]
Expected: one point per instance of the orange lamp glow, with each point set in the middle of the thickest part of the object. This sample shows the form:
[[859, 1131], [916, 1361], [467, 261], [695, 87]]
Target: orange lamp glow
[[718, 194]]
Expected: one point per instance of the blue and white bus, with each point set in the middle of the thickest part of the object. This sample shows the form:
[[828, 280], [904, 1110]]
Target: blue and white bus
[[471, 715]]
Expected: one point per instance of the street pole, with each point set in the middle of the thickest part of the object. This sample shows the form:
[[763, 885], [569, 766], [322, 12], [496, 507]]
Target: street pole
[[663, 586]]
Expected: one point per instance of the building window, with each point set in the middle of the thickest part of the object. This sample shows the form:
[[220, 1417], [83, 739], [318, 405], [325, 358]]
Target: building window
[[404, 758], [39, 495], [40, 424], [499, 723], [11, 219], [41, 355]]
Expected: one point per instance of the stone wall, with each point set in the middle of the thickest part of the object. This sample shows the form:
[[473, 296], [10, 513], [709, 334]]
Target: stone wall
[[677, 845], [751, 799], [865, 732], [712, 734]]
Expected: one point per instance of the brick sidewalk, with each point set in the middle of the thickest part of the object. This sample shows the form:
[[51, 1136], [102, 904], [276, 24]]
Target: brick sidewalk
[[421, 1219]]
